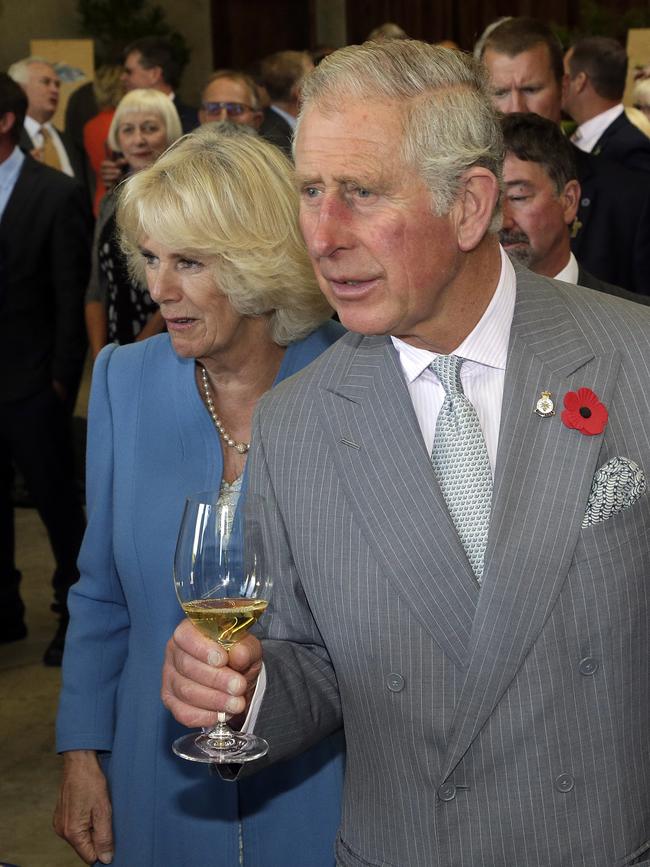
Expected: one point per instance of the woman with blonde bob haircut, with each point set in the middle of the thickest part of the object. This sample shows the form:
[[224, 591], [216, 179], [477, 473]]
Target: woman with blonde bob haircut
[[117, 309], [212, 227], [231, 197]]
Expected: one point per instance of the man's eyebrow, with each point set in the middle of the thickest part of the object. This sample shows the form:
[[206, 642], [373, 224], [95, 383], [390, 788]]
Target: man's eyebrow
[[518, 183]]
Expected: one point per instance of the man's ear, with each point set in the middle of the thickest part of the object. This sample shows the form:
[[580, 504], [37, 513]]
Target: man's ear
[[570, 199], [7, 120], [580, 81], [475, 206], [156, 74]]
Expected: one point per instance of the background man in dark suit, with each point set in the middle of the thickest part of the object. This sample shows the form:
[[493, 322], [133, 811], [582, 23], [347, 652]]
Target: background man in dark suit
[[44, 267], [41, 83], [152, 62], [611, 236], [540, 202], [282, 74], [460, 567], [596, 70]]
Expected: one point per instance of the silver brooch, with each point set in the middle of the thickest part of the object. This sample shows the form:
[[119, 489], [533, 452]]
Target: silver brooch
[[545, 406]]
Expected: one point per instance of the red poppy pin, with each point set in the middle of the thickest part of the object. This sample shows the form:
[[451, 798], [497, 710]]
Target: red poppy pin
[[583, 411]]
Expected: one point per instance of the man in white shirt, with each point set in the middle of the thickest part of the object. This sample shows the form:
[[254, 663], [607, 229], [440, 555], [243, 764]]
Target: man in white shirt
[[41, 83], [596, 70], [540, 202], [495, 692]]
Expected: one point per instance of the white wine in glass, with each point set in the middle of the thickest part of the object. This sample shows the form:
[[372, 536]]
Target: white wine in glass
[[223, 585]]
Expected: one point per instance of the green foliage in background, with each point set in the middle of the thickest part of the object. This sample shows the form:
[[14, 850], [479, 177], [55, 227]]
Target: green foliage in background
[[113, 24], [597, 20]]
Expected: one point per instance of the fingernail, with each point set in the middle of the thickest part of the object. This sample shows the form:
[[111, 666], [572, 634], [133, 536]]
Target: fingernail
[[234, 686], [232, 705], [106, 857], [216, 658]]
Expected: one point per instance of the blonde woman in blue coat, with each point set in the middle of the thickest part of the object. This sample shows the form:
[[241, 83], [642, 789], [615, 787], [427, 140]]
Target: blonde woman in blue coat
[[212, 228]]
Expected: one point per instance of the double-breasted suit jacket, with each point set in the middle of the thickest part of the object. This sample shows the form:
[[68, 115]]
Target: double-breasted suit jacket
[[498, 726]]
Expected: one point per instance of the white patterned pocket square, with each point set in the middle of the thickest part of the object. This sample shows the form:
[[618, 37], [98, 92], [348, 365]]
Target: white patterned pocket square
[[615, 486]]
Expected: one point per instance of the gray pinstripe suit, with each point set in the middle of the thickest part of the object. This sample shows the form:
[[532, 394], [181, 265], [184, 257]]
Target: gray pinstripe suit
[[504, 727]]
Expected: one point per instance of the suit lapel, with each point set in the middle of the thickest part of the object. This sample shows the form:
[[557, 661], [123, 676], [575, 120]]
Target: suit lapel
[[387, 474], [542, 482]]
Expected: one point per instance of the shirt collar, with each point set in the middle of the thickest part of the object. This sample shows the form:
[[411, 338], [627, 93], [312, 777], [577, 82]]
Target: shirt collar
[[588, 133], [486, 344], [569, 274], [33, 127], [10, 167], [290, 119]]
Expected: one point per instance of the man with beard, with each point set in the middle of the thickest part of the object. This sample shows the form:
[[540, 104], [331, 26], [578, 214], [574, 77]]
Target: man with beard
[[541, 200]]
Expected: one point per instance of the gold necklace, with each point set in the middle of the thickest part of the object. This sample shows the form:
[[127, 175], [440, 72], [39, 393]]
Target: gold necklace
[[242, 448]]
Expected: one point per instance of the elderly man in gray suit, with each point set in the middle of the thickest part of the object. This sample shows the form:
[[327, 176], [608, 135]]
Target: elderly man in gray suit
[[458, 500]]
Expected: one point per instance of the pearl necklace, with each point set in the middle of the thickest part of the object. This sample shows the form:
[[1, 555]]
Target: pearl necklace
[[242, 448]]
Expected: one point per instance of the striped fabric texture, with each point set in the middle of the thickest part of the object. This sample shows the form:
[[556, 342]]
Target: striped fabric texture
[[500, 726]]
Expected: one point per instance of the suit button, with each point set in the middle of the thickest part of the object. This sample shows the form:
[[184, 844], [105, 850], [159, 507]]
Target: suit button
[[564, 783], [447, 792], [588, 666], [585, 202], [395, 682]]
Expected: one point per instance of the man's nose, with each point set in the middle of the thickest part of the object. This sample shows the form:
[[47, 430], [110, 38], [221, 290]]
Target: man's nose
[[517, 101], [507, 221], [327, 230]]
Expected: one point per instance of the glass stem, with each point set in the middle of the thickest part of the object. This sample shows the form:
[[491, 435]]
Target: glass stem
[[220, 736]]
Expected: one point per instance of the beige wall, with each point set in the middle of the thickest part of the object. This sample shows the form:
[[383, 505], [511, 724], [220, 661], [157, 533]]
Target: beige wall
[[22, 20]]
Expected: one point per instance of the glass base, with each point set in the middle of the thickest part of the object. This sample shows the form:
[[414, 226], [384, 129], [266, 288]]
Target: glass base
[[233, 748]]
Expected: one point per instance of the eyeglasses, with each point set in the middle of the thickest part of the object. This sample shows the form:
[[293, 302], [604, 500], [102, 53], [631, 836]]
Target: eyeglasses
[[232, 109]]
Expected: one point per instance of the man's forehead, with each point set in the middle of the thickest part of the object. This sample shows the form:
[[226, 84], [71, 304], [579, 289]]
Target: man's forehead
[[533, 62], [529, 172], [43, 70], [227, 89]]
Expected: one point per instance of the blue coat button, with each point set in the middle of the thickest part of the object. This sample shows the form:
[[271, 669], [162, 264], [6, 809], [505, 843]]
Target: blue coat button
[[588, 666], [395, 682], [447, 792], [564, 783]]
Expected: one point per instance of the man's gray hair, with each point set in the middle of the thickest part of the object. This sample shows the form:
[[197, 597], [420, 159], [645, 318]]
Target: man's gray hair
[[19, 70], [450, 125]]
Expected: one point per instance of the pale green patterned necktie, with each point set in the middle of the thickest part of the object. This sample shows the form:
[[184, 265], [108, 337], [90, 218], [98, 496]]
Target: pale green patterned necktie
[[461, 463]]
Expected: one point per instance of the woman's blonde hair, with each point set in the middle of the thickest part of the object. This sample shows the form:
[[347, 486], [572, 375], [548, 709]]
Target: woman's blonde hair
[[150, 101], [222, 192]]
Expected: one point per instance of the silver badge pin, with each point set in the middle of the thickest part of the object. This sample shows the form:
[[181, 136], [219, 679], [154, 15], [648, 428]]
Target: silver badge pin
[[545, 406]]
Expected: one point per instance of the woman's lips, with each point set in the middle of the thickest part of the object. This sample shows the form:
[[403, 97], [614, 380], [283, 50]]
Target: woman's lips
[[179, 323]]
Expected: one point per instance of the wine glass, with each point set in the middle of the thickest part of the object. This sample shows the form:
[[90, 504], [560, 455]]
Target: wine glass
[[223, 586]]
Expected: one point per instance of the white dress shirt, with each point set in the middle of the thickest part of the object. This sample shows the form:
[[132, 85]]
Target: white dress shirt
[[569, 274], [588, 133], [482, 375], [33, 129]]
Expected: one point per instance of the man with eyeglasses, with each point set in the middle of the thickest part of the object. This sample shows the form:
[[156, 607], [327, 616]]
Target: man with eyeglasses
[[230, 95]]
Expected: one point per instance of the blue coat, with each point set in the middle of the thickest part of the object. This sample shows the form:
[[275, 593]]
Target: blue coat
[[151, 442]]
